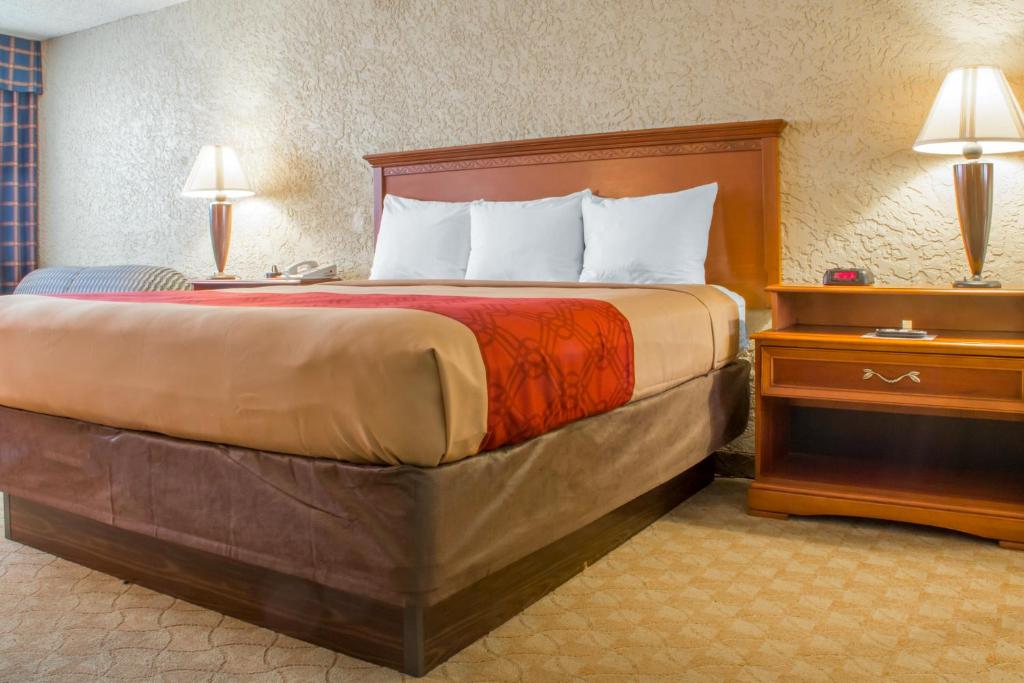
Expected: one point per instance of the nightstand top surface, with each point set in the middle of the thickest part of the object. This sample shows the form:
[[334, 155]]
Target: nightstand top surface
[[258, 282], [892, 290]]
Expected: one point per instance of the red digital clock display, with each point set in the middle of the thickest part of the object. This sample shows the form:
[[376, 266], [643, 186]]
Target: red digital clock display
[[848, 276]]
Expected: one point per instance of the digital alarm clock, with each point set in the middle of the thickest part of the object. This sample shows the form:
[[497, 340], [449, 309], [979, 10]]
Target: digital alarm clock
[[852, 277]]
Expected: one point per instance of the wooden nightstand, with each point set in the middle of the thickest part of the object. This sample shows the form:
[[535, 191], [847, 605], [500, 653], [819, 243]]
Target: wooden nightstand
[[267, 282], [929, 432]]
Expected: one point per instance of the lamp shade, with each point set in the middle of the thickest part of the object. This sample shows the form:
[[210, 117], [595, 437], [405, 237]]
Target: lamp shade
[[976, 108], [217, 174]]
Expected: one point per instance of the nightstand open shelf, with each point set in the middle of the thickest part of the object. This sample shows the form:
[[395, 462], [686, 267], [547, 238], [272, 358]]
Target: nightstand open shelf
[[895, 454], [930, 432]]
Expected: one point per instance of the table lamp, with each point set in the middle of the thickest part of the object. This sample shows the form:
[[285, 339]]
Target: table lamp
[[218, 175], [975, 112]]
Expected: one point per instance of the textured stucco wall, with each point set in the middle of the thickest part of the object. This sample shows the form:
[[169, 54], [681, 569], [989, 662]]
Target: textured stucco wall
[[304, 88]]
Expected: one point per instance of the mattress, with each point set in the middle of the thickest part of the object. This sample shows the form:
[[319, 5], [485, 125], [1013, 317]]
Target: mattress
[[365, 372]]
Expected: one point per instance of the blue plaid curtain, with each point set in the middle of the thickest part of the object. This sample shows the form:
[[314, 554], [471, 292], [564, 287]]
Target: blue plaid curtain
[[21, 82]]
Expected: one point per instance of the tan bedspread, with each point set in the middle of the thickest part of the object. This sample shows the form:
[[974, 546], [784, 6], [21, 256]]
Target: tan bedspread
[[365, 385]]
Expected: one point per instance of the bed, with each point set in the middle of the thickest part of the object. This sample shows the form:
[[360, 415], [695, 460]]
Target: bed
[[184, 442]]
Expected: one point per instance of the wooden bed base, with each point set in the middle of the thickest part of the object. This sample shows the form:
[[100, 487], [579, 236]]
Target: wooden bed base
[[410, 638]]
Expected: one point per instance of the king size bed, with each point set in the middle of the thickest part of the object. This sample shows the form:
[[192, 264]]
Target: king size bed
[[393, 468]]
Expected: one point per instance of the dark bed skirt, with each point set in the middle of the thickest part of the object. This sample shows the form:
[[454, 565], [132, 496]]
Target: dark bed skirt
[[411, 638], [398, 565]]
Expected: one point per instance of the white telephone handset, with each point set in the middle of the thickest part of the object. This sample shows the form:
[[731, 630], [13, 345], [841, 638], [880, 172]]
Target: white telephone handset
[[309, 270]]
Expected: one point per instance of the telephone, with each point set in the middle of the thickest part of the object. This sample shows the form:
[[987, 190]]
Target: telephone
[[309, 270]]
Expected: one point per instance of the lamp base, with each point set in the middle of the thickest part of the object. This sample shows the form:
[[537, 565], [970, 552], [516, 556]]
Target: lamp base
[[223, 276], [973, 183], [220, 236], [977, 283]]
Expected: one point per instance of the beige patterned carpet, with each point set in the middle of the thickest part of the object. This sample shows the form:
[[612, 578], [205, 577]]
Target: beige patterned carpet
[[705, 594]]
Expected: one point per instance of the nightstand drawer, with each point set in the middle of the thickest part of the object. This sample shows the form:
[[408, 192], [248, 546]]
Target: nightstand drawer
[[894, 378]]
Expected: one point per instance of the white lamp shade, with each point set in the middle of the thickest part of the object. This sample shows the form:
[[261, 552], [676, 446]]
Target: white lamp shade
[[975, 106], [217, 174]]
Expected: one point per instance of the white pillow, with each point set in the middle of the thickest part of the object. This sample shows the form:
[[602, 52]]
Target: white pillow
[[538, 240], [421, 240], [660, 238]]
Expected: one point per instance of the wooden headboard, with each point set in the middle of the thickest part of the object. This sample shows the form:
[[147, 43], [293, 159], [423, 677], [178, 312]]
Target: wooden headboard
[[744, 250]]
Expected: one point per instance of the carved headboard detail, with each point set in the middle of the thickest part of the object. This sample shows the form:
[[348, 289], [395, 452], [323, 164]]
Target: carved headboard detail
[[744, 250]]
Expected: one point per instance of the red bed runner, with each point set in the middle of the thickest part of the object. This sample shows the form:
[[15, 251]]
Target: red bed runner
[[548, 361]]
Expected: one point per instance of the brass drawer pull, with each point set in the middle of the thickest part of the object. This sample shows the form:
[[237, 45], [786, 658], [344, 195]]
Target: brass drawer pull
[[913, 376]]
